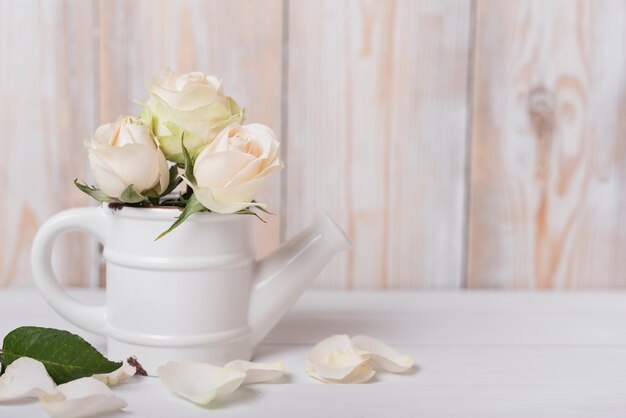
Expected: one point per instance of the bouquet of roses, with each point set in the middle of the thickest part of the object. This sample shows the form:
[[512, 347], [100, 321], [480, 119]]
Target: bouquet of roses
[[189, 131]]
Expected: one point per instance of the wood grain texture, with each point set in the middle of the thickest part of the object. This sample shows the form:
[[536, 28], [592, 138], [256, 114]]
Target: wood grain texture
[[376, 108], [548, 181], [238, 41], [48, 106], [374, 104]]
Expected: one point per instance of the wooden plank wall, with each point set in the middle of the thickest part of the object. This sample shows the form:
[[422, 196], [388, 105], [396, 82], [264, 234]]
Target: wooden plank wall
[[48, 106], [548, 183], [377, 136], [461, 143]]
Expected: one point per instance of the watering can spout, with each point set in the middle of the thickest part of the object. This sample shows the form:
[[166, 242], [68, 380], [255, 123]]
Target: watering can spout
[[283, 275]]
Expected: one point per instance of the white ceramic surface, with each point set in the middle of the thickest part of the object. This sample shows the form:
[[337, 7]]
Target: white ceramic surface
[[197, 294]]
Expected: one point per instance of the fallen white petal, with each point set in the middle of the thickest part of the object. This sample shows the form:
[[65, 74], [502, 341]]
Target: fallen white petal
[[258, 372], [25, 378], [81, 398], [383, 355], [117, 376], [199, 382], [334, 360], [359, 374]]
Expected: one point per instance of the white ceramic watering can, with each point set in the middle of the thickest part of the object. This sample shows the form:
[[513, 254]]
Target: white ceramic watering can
[[197, 294]]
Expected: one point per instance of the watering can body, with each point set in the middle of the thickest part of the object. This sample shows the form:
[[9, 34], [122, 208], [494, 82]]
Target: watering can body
[[198, 294]]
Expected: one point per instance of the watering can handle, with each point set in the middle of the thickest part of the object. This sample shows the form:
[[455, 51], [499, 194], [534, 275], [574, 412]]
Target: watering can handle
[[92, 220]]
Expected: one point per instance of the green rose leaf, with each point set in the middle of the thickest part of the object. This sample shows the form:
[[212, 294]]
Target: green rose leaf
[[174, 181], [130, 195], [249, 211], [188, 162], [66, 356], [262, 209], [97, 194], [193, 206]]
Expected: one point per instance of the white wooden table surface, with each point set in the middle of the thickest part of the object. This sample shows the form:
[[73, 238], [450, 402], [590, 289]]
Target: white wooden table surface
[[480, 354]]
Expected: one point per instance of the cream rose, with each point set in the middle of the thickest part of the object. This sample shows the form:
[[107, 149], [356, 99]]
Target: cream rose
[[125, 153], [190, 104], [231, 169]]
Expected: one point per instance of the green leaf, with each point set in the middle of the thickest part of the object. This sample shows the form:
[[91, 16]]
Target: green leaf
[[97, 194], [188, 163], [193, 206], [261, 208], [187, 194], [148, 118], [130, 195], [174, 202], [170, 144], [248, 211], [66, 356], [174, 181]]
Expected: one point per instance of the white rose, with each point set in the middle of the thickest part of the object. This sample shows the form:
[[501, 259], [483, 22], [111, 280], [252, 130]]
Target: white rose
[[192, 104], [125, 153], [231, 169]]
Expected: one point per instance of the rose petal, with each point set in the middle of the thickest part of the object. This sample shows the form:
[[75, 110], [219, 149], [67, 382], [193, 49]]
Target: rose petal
[[383, 355], [193, 104], [81, 398], [199, 382], [117, 376], [132, 131], [187, 91], [107, 180], [359, 374], [126, 153], [233, 165], [264, 143], [245, 191], [25, 378], [104, 134], [195, 96], [208, 200], [258, 372], [164, 173], [206, 121], [242, 193], [216, 170], [134, 164], [245, 174], [334, 360]]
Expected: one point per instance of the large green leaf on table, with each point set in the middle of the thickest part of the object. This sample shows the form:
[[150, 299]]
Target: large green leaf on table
[[66, 356]]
